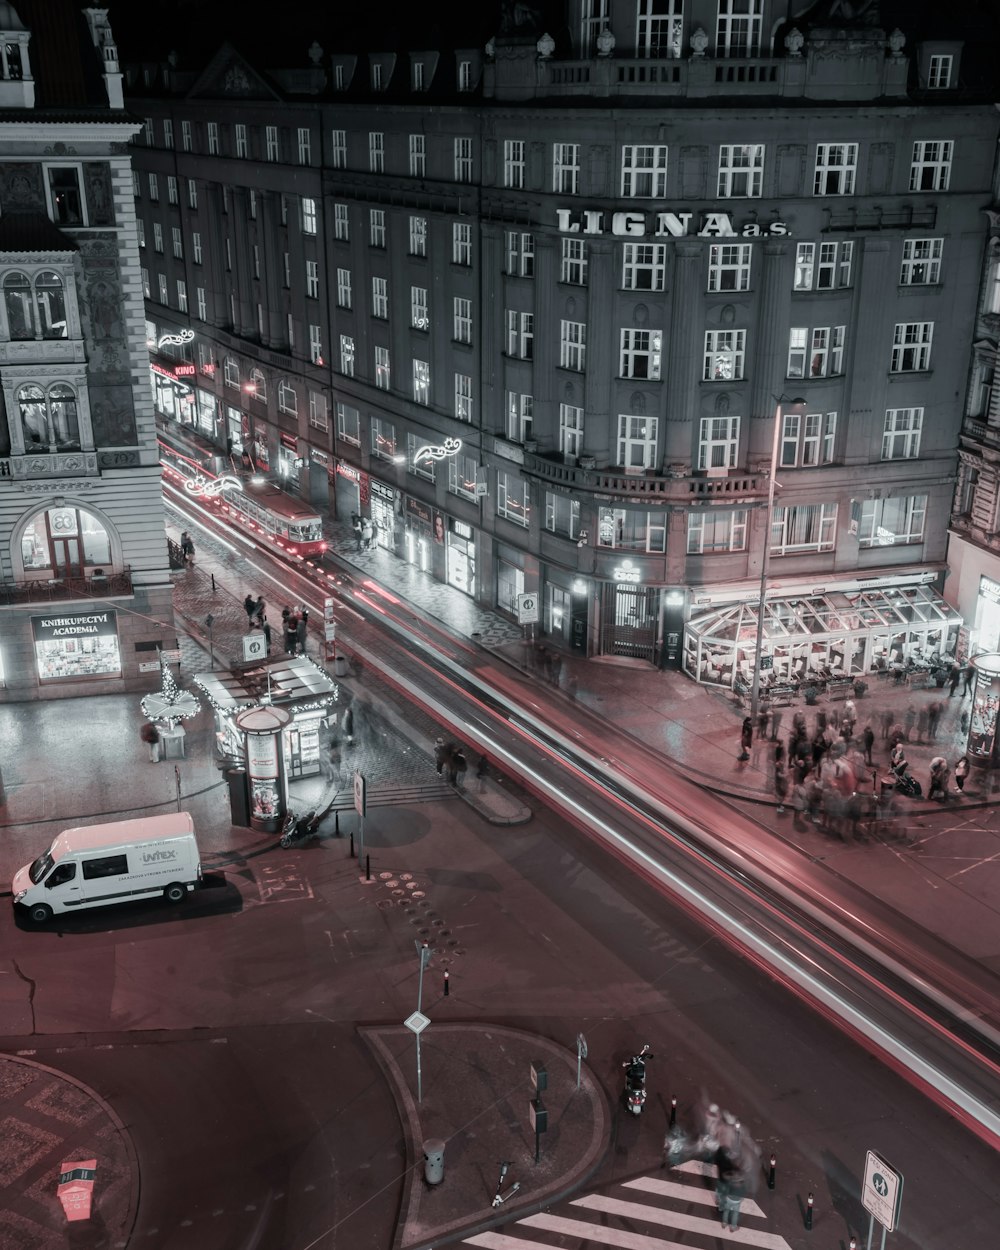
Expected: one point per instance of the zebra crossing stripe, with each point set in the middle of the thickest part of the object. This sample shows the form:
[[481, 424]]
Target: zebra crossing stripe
[[686, 1193], [678, 1220], [603, 1236], [500, 1241]]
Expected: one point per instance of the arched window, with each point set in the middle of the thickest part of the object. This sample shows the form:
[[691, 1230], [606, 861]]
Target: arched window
[[50, 303], [66, 541], [258, 385], [17, 298], [49, 421]]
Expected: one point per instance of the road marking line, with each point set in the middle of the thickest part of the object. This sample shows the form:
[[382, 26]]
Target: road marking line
[[677, 1220], [689, 1193]]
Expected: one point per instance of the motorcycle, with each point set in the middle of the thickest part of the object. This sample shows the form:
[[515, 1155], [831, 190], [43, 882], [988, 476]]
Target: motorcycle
[[634, 1095], [298, 828]]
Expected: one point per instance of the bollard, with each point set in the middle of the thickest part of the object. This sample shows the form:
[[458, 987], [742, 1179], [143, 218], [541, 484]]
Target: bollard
[[809, 1212], [446, 990], [352, 844], [336, 824], [213, 583], [773, 1163], [673, 1112], [368, 868]]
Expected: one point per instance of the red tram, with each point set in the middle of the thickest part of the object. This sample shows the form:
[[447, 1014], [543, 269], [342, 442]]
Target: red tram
[[252, 504]]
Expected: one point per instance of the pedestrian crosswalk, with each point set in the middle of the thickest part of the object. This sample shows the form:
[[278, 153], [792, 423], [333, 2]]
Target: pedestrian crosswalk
[[668, 1211]]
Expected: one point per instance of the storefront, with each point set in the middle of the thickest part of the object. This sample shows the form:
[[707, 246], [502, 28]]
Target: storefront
[[460, 553], [419, 536], [76, 646], [846, 633], [565, 604], [295, 683], [510, 579], [289, 461], [630, 615], [173, 396], [384, 503], [351, 490]]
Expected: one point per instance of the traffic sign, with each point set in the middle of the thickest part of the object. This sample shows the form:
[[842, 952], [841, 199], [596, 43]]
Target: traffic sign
[[254, 647], [360, 792], [172, 655], [882, 1191], [527, 609], [417, 1022]]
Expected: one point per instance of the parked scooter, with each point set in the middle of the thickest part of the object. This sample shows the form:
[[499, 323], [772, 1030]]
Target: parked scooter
[[634, 1095], [297, 829]]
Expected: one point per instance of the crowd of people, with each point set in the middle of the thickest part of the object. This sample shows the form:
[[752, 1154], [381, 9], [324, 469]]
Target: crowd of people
[[294, 624]]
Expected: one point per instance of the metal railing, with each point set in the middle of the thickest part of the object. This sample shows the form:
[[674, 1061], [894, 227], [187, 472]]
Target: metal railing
[[97, 586]]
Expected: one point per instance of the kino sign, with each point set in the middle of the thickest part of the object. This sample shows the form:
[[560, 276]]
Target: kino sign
[[633, 225]]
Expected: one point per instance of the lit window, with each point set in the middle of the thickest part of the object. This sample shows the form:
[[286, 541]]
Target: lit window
[[463, 397], [729, 266], [637, 437], [520, 411], [644, 266], [570, 430], [824, 269], [462, 321], [380, 297], [418, 236], [419, 316], [573, 262], [741, 170], [308, 215], [512, 498], [641, 354], [889, 522], [644, 171], [347, 355], [421, 382], [725, 355], [383, 438], [817, 352], [383, 375], [660, 30], [803, 527], [566, 168], [921, 262], [35, 306]]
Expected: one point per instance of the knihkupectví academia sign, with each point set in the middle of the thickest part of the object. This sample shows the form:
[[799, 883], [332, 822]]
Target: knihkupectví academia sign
[[87, 625]]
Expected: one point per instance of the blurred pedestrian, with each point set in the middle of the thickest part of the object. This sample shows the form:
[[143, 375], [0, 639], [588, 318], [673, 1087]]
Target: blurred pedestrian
[[151, 736], [367, 534], [868, 738], [910, 720], [934, 719], [258, 610], [187, 548], [887, 719], [250, 607], [291, 633], [969, 673], [482, 772], [348, 727], [763, 716], [555, 667], [780, 786], [954, 677], [262, 624], [779, 754], [746, 739], [300, 632], [441, 754], [457, 764], [961, 771], [851, 716], [358, 530], [776, 719], [939, 778]]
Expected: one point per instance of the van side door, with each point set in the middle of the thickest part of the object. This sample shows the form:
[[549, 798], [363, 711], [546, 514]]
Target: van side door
[[65, 885], [105, 879]]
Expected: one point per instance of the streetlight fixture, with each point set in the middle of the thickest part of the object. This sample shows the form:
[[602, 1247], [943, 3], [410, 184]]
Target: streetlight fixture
[[765, 560]]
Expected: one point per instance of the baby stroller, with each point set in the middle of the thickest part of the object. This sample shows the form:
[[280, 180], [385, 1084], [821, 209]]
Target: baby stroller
[[906, 785]]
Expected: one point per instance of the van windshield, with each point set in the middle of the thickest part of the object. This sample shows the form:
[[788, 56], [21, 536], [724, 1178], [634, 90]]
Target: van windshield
[[40, 867]]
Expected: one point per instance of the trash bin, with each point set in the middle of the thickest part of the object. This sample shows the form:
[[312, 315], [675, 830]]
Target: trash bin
[[434, 1161], [340, 666], [239, 796]]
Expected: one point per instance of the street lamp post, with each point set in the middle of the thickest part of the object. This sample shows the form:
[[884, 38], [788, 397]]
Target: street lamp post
[[765, 559]]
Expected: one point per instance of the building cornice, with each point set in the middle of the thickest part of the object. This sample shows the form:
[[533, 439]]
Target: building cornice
[[37, 129]]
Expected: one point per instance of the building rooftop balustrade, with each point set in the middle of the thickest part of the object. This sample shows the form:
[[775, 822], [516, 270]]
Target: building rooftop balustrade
[[689, 488], [981, 432], [16, 594]]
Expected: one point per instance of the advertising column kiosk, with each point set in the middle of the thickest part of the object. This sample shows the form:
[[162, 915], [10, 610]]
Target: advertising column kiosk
[[262, 728], [982, 745]]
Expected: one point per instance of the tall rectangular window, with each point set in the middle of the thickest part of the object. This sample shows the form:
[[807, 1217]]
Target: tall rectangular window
[[931, 166], [921, 262], [252, 203], [461, 243], [836, 167], [383, 438], [421, 382], [712, 530], [240, 130], [418, 236], [177, 242], [462, 320], [348, 424], [376, 152], [512, 497], [380, 298], [271, 145], [823, 268], [520, 334], [171, 189], [729, 266], [339, 149], [520, 254], [192, 193], [383, 374], [463, 397], [737, 33], [803, 527], [162, 285], [573, 345], [418, 156], [308, 215], [376, 227], [741, 170], [573, 262], [465, 75], [641, 354], [637, 441], [644, 266], [213, 138], [807, 439], [343, 288], [513, 163], [644, 171], [319, 417], [939, 72], [566, 168], [347, 355], [901, 437], [186, 142], [182, 295], [312, 279], [305, 145], [725, 355], [315, 344], [376, 76], [888, 522], [911, 346], [417, 78], [520, 413], [157, 237], [256, 260], [718, 442], [168, 133], [463, 160], [146, 288], [660, 29], [570, 430], [202, 303], [341, 223], [594, 17], [154, 187]]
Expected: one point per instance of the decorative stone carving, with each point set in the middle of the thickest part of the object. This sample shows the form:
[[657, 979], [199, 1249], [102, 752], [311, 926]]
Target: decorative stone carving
[[545, 46], [236, 81], [21, 188], [316, 53], [100, 208], [112, 416], [491, 47], [794, 41], [699, 42], [118, 459], [895, 42], [605, 43]]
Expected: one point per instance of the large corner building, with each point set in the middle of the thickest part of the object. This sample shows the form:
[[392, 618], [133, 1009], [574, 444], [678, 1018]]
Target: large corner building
[[84, 584], [545, 300]]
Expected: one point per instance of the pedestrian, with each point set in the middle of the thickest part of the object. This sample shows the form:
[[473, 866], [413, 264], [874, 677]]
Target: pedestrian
[[897, 760], [868, 738], [969, 673], [250, 607], [961, 772], [482, 772], [776, 718], [780, 786], [286, 612], [456, 767], [763, 716], [939, 778], [300, 632], [850, 715], [934, 719], [367, 534], [187, 548], [746, 739], [779, 754], [291, 633], [954, 677], [909, 720], [374, 537], [358, 529], [348, 727], [258, 610], [555, 667], [151, 736], [887, 719], [332, 766], [262, 622], [923, 720]]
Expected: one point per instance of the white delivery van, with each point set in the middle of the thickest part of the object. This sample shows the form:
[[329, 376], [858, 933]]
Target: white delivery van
[[100, 864]]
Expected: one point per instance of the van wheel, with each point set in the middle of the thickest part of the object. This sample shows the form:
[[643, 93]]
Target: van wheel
[[40, 913], [175, 893]]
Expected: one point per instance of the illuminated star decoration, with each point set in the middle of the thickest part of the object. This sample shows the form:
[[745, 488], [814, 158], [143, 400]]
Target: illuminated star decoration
[[169, 703], [205, 487], [448, 448], [174, 340]]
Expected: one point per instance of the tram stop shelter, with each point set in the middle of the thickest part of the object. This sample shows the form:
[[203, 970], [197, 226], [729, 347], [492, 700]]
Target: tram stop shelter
[[846, 634], [292, 682]]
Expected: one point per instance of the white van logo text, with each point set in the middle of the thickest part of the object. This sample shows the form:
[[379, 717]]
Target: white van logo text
[[157, 857]]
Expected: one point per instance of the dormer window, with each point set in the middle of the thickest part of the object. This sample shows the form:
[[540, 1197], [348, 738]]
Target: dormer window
[[376, 77], [10, 62], [418, 76], [939, 72]]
